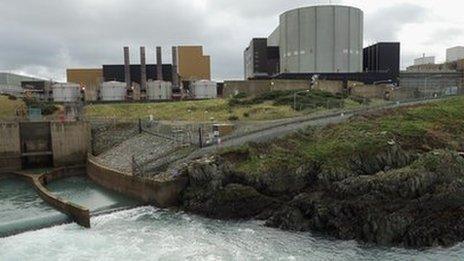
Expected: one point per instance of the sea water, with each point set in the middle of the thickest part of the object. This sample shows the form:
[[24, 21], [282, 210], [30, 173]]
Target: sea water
[[148, 233]]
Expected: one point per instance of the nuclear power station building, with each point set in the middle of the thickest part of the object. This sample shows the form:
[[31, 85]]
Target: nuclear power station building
[[326, 40]]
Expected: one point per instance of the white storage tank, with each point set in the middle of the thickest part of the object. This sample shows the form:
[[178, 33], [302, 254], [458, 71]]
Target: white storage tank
[[204, 89], [113, 91], [66, 92], [159, 90]]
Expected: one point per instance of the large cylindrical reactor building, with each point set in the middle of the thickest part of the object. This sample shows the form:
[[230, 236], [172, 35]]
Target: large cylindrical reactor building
[[321, 39]]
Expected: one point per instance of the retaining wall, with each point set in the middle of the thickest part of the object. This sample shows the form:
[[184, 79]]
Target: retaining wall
[[10, 148], [70, 142], [78, 213], [257, 87], [162, 193]]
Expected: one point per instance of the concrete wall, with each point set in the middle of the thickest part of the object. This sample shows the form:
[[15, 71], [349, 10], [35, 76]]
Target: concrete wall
[[164, 193], [369, 91], [257, 87], [79, 214], [70, 142], [10, 148]]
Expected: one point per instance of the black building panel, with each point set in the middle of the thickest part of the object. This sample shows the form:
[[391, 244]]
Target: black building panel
[[116, 72], [273, 60], [383, 58], [261, 61]]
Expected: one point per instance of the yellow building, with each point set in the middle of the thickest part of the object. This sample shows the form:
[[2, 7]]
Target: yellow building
[[85, 77], [193, 64], [89, 79]]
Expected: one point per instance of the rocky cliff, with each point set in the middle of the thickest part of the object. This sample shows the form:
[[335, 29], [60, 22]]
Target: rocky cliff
[[420, 204]]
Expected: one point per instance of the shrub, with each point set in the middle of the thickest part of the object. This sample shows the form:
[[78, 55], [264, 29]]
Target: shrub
[[233, 118]]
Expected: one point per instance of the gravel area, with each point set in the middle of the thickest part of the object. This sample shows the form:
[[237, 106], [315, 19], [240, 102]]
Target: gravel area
[[144, 147]]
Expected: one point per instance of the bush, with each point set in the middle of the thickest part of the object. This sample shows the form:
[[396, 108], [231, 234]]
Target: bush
[[233, 118], [246, 114]]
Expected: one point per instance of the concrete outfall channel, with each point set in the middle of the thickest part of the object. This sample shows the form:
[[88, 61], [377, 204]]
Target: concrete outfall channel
[[78, 214]]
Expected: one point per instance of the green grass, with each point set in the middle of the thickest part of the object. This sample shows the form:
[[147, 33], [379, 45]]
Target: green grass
[[203, 110], [270, 106], [420, 129], [8, 107]]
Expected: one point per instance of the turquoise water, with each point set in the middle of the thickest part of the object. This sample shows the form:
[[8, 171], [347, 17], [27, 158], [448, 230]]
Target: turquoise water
[[21, 208], [147, 233], [84, 192]]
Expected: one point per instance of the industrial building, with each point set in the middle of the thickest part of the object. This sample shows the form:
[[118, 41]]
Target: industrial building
[[383, 57], [261, 60], [12, 79], [85, 77], [314, 39], [321, 39], [144, 81], [193, 65], [324, 41], [454, 54], [115, 72], [424, 60]]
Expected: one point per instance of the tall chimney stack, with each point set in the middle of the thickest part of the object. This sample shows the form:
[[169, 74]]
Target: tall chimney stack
[[175, 76], [159, 64], [143, 69], [127, 74]]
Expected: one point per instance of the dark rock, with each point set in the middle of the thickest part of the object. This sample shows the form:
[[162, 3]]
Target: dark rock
[[419, 205]]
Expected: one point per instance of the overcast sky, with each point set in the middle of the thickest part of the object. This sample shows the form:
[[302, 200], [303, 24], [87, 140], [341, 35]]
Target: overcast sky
[[43, 38]]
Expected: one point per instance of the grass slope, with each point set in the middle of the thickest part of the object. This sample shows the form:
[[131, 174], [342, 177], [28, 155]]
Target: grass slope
[[9, 107], [269, 106], [419, 129], [190, 111]]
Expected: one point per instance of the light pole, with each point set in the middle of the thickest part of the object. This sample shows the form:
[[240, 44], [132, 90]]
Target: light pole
[[294, 98]]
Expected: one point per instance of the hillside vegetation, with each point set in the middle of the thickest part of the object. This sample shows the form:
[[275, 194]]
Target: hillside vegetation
[[269, 106], [390, 178], [9, 106], [416, 130]]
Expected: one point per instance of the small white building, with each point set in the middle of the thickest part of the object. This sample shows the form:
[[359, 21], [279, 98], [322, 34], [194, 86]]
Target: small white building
[[159, 90], [204, 89], [66, 92], [424, 60], [113, 91], [454, 54]]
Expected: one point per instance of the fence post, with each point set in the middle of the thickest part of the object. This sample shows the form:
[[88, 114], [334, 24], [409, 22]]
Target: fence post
[[140, 126], [200, 138]]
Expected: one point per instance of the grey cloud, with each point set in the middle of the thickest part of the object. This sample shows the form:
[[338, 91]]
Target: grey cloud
[[46, 37], [384, 24], [446, 36]]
